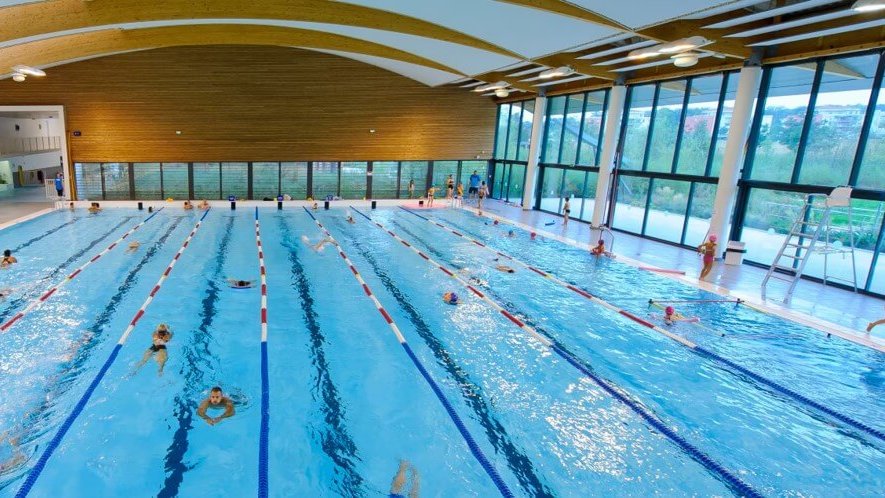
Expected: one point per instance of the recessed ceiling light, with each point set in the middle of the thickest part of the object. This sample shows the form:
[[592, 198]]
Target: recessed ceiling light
[[18, 77], [868, 5], [502, 92]]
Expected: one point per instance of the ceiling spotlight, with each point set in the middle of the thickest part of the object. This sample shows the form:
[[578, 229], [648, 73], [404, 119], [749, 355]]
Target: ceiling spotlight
[[557, 72], [491, 86], [502, 92], [683, 44], [643, 53], [687, 59], [868, 5], [18, 77], [28, 70]]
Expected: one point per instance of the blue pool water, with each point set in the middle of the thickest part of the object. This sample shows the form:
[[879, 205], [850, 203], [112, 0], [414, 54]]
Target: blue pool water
[[346, 403]]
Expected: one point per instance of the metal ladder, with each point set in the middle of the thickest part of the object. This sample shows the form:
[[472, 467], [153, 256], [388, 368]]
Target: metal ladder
[[804, 239]]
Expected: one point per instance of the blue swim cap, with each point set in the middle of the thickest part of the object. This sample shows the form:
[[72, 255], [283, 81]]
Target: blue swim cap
[[453, 298]]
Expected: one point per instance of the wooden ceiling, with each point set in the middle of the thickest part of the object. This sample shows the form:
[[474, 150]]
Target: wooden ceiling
[[473, 42]]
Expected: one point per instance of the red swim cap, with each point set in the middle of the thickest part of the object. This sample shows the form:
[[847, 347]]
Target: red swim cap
[[669, 310]]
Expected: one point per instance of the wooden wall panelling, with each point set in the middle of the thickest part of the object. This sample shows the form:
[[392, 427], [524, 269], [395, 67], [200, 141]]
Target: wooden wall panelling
[[255, 103]]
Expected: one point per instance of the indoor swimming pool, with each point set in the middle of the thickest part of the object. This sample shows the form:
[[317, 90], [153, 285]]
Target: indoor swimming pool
[[346, 366]]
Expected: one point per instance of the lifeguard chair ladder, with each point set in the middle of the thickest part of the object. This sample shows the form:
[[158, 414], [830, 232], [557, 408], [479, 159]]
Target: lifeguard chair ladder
[[812, 233]]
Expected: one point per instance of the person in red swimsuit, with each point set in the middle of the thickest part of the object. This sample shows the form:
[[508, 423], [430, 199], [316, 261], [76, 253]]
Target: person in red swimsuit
[[708, 250]]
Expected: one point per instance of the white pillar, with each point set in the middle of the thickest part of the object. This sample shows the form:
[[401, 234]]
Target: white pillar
[[613, 118], [735, 148], [531, 169]]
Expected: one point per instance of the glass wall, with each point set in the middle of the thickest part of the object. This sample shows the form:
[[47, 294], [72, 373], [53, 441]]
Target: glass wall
[[384, 179], [325, 180], [116, 180], [441, 172], [818, 125], [207, 181], [147, 181], [267, 180], [175, 181], [413, 173], [235, 180], [293, 179], [353, 180], [512, 140]]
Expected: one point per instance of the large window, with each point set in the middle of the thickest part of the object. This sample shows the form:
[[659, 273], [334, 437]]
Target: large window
[[353, 180], [553, 129], [88, 180], [441, 172], [836, 123], [147, 181], [593, 124], [116, 180], [235, 180], [818, 125], [384, 177], [325, 179], [265, 180], [207, 181], [637, 120], [175, 181], [698, 124], [293, 180], [414, 173]]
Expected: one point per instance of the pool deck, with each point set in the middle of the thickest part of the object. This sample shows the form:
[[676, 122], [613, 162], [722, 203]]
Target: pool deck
[[23, 201], [850, 310]]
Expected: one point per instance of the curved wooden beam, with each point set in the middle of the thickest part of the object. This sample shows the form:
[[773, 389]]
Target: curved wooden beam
[[33, 19], [569, 9], [98, 43]]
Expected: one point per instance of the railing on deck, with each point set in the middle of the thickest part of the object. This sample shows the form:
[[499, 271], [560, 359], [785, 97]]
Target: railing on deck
[[28, 145]]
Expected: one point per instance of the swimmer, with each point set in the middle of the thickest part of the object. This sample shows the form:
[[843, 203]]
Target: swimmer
[[459, 195], [511, 234], [216, 401], [133, 246], [94, 208], [430, 193], [477, 281], [566, 210], [599, 250], [160, 337], [8, 259], [533, 236], [71, 205], [397, 487], [188, 205], [671, 316], [204, 204], [505, 269], [315, 206], [708, 250], [240, 284], [349, 218], [450, 298], [16, 459], [319, 245]]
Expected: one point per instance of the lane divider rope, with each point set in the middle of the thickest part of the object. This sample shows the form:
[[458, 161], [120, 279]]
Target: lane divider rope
[[54, 443], [52, 290], [744, 488], [264, 433], [685, 342], [465, 433]]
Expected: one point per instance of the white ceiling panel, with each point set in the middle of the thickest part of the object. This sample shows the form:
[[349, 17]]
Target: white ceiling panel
[[529, 32], [639, 13], [459, 57], [423, 74]]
